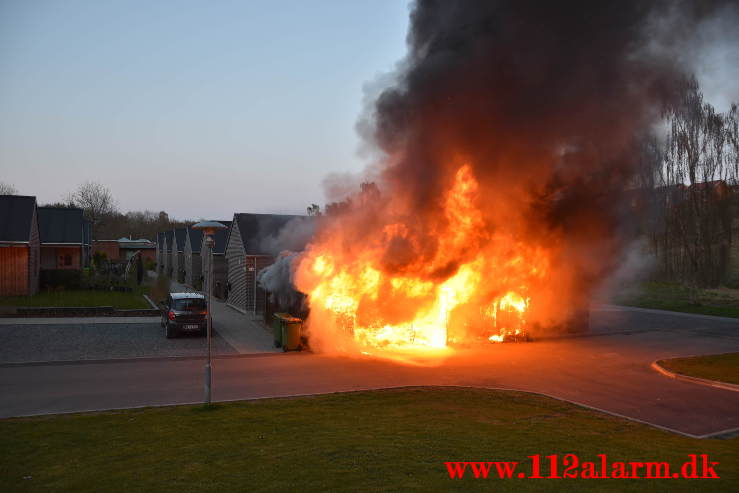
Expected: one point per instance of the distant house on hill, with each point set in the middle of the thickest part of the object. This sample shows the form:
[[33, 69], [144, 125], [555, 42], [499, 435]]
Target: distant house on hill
[[62, 233], [168, 240], [178, 254], [253, 242], [220, 269], [193, 264], [19, 246]]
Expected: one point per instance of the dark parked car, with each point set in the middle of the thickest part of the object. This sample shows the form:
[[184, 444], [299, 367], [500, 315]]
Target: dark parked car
[[184, 313]]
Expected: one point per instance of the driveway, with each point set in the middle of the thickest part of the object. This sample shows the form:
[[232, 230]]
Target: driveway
[[608, 371], [57, 340]]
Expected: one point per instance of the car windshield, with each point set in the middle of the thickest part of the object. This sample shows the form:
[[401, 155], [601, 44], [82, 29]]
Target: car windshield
[[189, 304]]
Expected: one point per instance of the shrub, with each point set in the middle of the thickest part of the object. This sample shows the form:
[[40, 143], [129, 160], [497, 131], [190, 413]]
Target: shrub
[[60, 278]]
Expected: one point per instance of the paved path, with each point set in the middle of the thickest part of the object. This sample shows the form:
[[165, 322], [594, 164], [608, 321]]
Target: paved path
[[77, 320], [245, 333], [609, 371], [65, 341]]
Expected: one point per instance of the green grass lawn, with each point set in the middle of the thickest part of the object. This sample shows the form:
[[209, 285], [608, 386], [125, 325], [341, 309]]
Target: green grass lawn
[[77, 298], [721, 367], [722, 302], [366, 441]]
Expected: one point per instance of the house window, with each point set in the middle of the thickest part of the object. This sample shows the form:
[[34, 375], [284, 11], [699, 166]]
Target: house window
[[67, 259]]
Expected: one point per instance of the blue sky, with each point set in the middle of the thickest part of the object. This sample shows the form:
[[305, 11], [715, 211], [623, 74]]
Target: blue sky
[[206, 108], [198, 108]]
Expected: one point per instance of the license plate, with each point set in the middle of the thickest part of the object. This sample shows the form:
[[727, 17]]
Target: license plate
[[191, 327]]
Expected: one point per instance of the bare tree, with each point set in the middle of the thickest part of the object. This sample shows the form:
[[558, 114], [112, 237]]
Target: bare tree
[[96, 200], [692, 236], [7, 189]]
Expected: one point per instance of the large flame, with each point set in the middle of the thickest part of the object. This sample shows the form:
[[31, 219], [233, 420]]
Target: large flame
[[359, 299]]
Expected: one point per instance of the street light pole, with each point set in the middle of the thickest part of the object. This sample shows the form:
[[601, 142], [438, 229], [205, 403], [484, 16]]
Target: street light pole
[[209, 242], [209, 228]]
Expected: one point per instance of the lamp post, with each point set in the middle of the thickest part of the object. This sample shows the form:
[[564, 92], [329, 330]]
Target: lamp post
[[209, 228]]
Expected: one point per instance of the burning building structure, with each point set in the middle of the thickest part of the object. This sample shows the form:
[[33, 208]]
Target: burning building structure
[[505, 144]]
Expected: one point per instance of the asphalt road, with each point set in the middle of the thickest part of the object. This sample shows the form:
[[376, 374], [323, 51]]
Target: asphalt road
[[24, 343], [609, 371]]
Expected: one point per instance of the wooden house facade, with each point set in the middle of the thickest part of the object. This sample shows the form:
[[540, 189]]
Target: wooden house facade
[[19, 246], [167, 253], [193, 264], [62, 234], [178, 254], [253, 242], [220, 269]]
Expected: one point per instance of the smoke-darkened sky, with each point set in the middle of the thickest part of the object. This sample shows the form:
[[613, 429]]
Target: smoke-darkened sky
[[204, 109]]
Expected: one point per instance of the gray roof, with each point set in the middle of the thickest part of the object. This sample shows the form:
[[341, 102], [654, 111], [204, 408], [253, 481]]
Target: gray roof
[[180, 235], [196, 239], [87, 233], [16, 214], [221, 237], [135, 244], [168, 235], [60, 225], [260, 231]]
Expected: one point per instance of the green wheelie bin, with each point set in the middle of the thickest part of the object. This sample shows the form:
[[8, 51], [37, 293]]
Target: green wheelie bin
[[287, 332], [291, 334], [277, 327]]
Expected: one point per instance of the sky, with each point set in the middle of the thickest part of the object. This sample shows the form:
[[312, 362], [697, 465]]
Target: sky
[[201, 109], [206, 108]]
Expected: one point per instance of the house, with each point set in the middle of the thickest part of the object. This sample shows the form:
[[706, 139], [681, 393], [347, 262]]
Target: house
[[167, 252], [178, 254], [220, 270], [19, 246], [109, 248], [160, 253], [87, 243], [193, 264], [253, 242], [129, 247], [62, 234]]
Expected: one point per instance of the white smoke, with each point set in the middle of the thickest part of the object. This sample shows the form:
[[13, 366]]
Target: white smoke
[[277, 280], [293, 236]]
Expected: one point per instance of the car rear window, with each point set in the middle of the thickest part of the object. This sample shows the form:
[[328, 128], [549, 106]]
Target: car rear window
[[189, 304]]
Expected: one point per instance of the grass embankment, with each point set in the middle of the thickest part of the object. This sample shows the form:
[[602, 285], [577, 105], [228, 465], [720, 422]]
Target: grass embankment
[[720, 367], [676, 297], [79, 298], [364, 441]]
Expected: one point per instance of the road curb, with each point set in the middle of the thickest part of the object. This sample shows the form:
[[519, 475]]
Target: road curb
[[701, 381], [151, 303], [716, 434], [655, 311], [142, 359]]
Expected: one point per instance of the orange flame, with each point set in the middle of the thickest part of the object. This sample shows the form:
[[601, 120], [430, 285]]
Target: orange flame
[[473, 285]]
